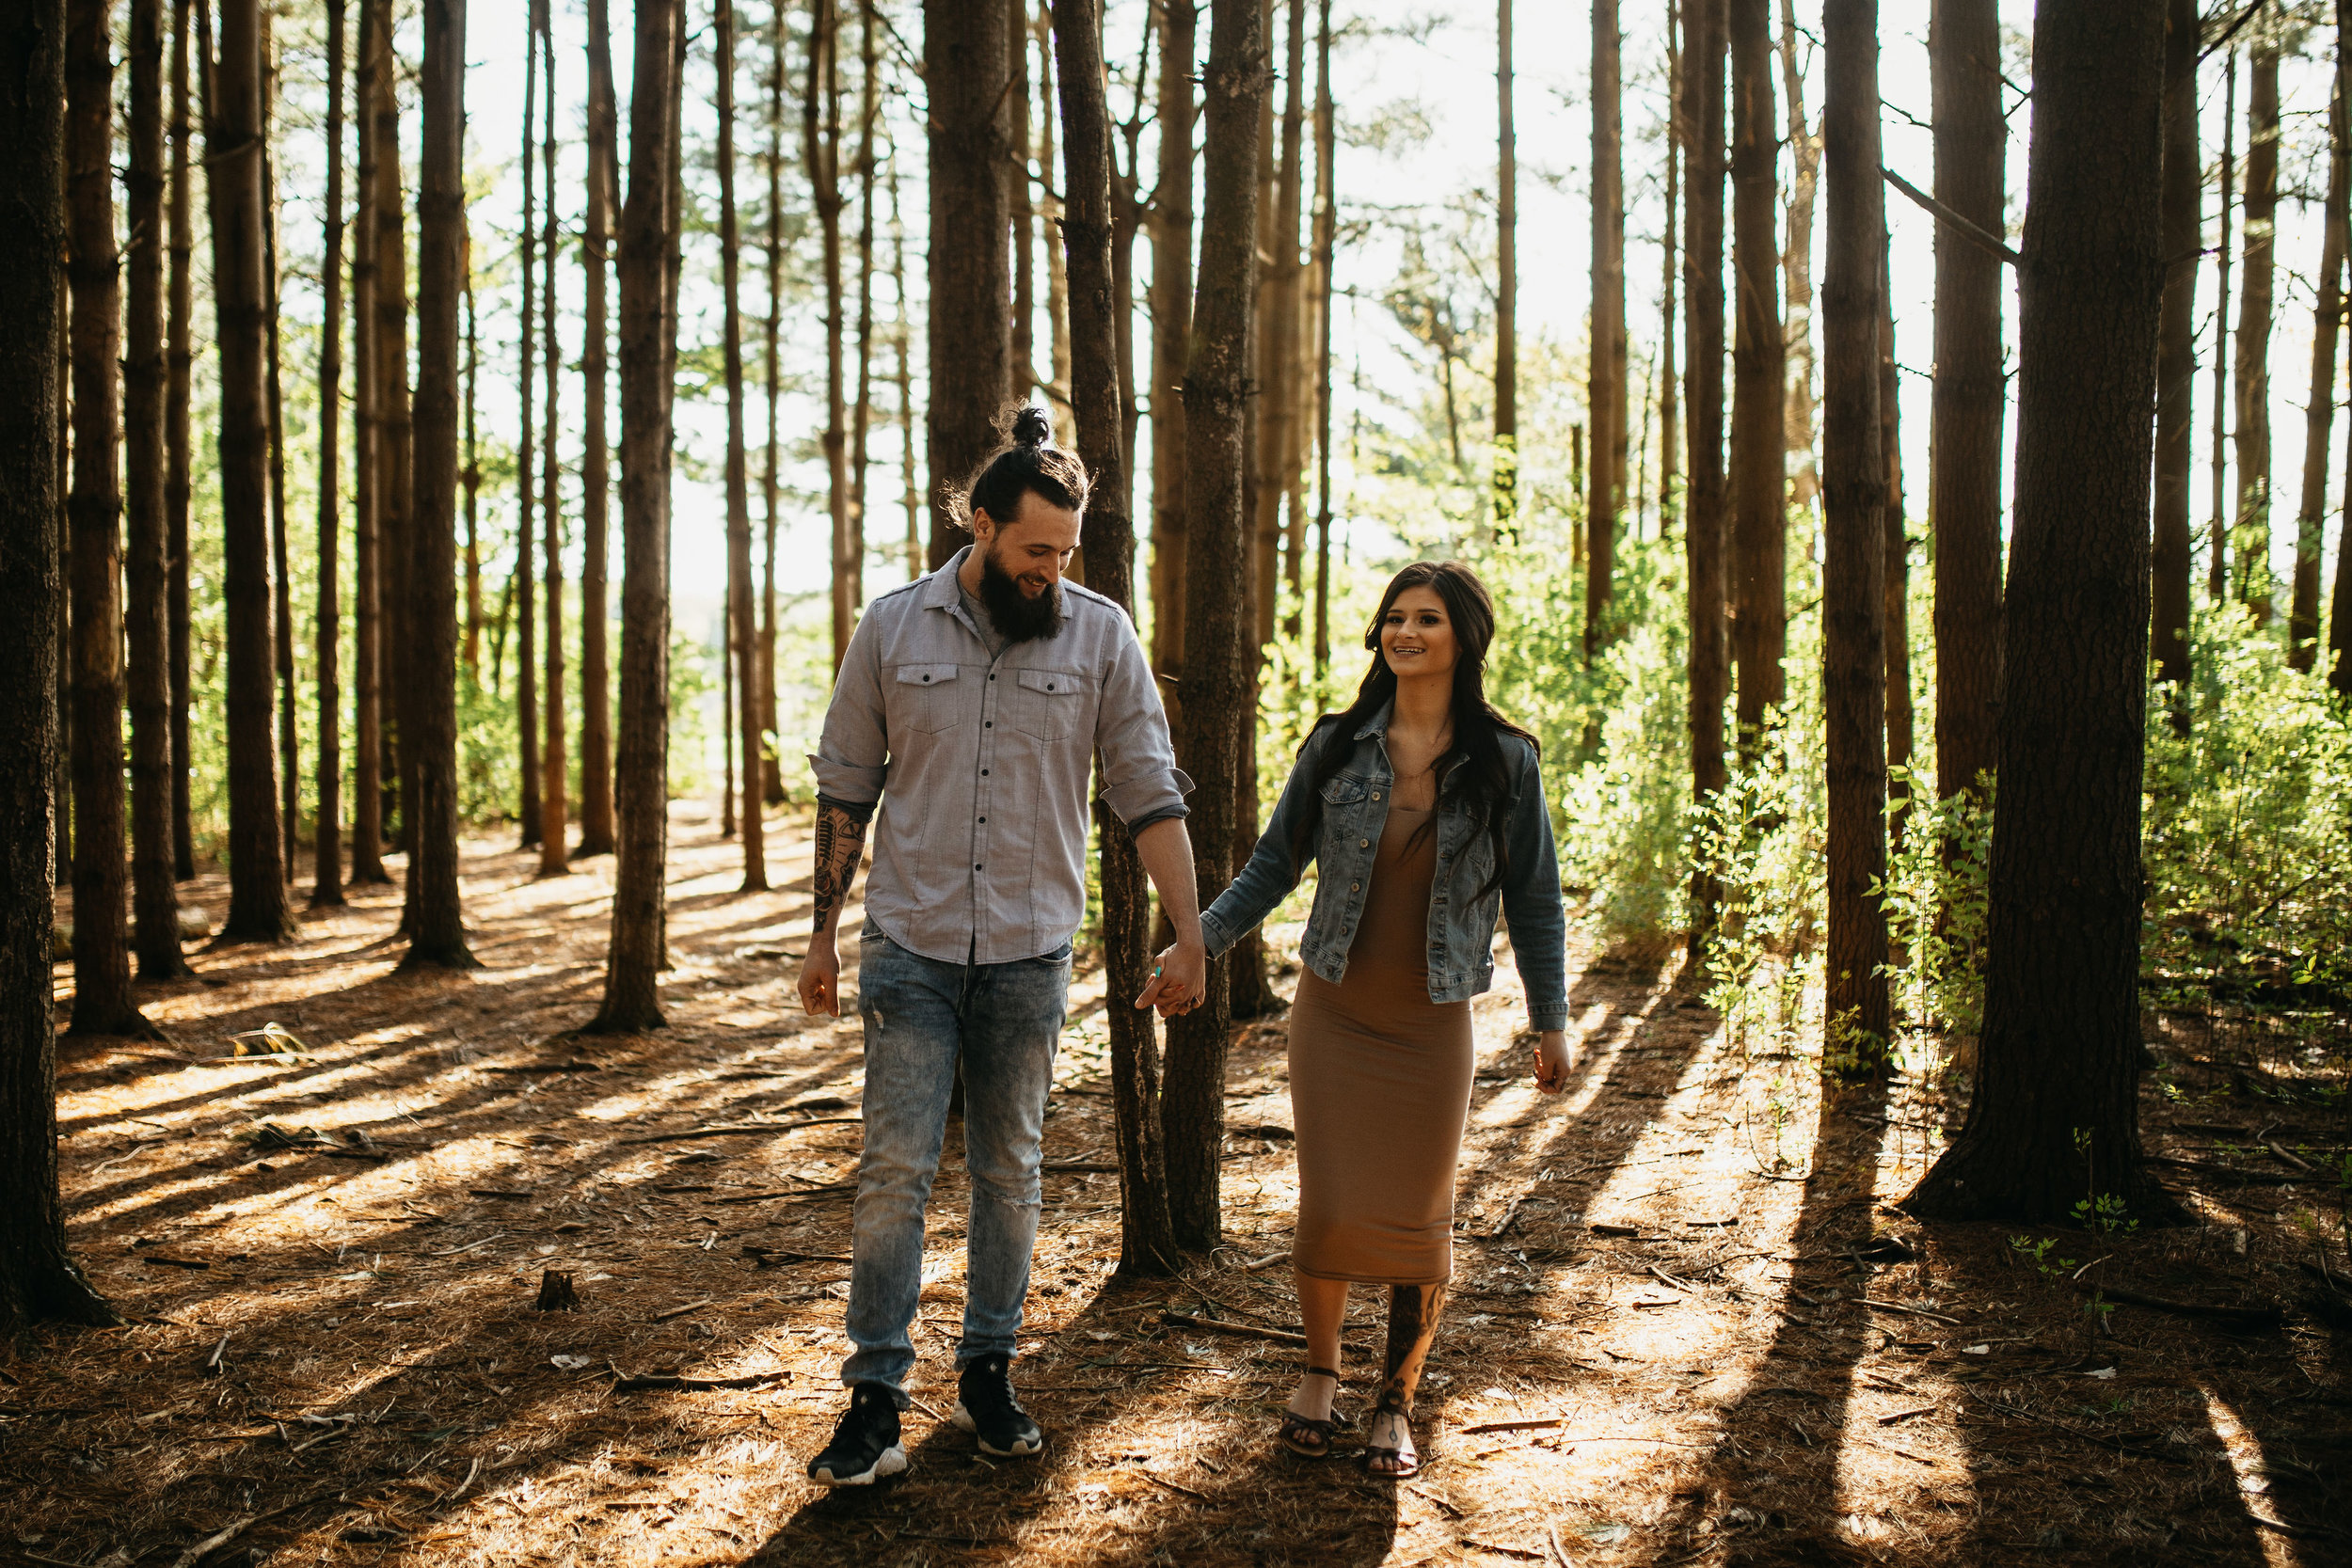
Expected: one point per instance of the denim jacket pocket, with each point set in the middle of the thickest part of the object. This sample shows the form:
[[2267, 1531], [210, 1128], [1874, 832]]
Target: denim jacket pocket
[[925, 698]]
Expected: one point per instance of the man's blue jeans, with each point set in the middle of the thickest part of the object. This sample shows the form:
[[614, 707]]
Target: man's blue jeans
[[1004, 1020]]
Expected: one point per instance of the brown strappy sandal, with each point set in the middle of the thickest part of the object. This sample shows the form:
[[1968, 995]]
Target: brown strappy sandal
[[1406, 1466], [1307, 1437]]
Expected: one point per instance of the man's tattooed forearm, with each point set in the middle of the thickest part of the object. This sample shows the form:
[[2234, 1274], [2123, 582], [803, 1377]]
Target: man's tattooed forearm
[[840, 840]]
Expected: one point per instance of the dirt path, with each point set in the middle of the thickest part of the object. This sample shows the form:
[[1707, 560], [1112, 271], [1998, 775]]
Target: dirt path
[[1686, 1328]]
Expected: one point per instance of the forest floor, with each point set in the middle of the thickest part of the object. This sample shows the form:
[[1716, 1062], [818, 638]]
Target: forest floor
[[1687, 1327]]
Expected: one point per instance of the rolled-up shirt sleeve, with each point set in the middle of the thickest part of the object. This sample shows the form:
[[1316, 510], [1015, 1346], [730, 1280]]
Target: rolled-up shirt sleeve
[[1140, 779], [852, 755]]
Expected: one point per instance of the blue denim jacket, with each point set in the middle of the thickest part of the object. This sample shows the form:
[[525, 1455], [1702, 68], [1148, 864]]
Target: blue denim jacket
[[1461, 919]]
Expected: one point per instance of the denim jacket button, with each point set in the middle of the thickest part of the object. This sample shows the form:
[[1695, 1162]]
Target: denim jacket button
[[1355, 887], [1364, 844]]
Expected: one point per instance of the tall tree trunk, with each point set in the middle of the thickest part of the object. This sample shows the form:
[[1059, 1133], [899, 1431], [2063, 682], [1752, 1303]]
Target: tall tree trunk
[[862, 406], [146, 562], [743, 637], [39, 1279], [972, 371], [2176, 351], [903, 334], [1171, 330], [1704, 535], [1020, 113], [101, 950], [2320, 413], [257, 884], [395, 486], [1277, 338], [1670, 259], [2055, 1112], [1217, 690], [2251, 530], [526, 605], [1759, 478], [366, 554], [1148, 1241], [595, 477], [282, 566], [1971, 389], [179, 358], [1056, 278], [437, 932], [821, 148], [649, 220], [771, 763], [1854, 496], [2218, 571], [1604, 493], [326, 887], [1897, 550], [1796, 266], [1506, 456], [2340, 615], [1326, 237], [730, 650], [553, 787], [469, 641]]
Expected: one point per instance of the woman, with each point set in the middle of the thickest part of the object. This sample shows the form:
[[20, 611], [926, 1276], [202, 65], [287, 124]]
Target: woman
[[1424, 811]]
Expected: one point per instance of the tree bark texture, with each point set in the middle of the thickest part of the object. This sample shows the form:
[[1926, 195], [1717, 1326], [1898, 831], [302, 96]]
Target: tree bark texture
[[2311, 519], [1897, 560], [2058, 1071], [743, 637], [1971, 392], [595, 477], [1217, 690], [178, 362], [257, 882], [1021, 204], [2250, 531], [39, 1279], [326, 885], [553, 782], [394, 454], [633, 1001], [281, 564], [1171, 330], [366, 554], [1759, 469], [1854, 503], [971, 327], [2176, 348], [2218, 571], [1605, 480], [527, 376], [1702, 529], [1276, 330], [437, 932], [147, 558], [1148, 1243], [1796, 266], [821, 151], [1506, 474], [862, 405], [1327, 241], [771, 765]]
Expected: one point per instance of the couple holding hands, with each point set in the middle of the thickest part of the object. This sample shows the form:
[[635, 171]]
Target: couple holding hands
[[970, 709]]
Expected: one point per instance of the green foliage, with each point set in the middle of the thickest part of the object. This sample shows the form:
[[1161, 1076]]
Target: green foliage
[[1764, 840], [1935, 899]]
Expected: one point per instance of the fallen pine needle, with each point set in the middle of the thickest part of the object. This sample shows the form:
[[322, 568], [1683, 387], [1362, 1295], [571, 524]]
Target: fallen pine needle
[[1913, 1311], [1172, 1486], [1890, 1420], [667, 1314]]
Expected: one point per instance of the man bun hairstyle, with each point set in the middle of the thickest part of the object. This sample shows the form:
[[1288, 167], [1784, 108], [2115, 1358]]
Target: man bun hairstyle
[[1027, 464]]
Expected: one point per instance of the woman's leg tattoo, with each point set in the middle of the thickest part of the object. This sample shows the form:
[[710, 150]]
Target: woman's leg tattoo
[[1413, 1313]]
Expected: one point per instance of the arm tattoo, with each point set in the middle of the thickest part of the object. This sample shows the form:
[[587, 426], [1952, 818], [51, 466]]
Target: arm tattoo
[[840, 840]]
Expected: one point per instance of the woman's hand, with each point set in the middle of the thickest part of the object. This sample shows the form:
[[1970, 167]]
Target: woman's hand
[[1179, 980], [1555, 1058]]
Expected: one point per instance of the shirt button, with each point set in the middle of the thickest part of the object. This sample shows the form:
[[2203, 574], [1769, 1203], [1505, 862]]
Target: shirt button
[[985, 819], [991, 677], [983, 773], [976, 866], [987, 723]]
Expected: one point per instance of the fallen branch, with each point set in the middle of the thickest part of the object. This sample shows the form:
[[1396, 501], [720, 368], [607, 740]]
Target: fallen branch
[[1162, 1480], [1889, 1421], [1217, 1326], [2242, 1317], [665, 1315], [1514, 1425], [237, 1526], [1073, 1167], [657, 1382], [755, 1129], [1912, 1311], [1272, 1259]]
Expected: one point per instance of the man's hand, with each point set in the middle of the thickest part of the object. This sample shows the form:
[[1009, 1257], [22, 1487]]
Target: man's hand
[[1179, 980], [1555, 1058], [821, 978]]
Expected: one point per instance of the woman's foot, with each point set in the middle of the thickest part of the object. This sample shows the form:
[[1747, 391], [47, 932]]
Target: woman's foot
[[1389, 1451], [1309, 1421]]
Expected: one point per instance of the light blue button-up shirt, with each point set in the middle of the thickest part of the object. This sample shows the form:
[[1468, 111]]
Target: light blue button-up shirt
[[980, 760]]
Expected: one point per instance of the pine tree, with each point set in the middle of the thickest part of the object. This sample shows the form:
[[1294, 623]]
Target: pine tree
[[1758, 476], [744, 629], [596, 481], [1703, 524], [326, 887], [2176, 351]]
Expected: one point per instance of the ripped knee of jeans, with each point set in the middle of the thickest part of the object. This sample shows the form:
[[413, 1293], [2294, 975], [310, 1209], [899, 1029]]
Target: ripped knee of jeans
[[1010, 1194]]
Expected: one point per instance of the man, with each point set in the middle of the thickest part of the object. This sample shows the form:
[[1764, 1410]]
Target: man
[[971, 704]]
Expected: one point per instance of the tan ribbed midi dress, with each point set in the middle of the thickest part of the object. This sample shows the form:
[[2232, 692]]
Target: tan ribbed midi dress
[[1380, 1086]]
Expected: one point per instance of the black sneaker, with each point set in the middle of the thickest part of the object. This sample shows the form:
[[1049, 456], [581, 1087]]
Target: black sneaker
[[864, 1446], [987, 1407]]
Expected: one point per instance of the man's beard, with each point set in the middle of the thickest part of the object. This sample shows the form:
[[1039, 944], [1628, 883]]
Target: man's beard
[[1017, 617]]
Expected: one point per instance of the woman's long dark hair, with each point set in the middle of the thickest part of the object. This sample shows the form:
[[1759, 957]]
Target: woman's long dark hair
[[1475, 768]]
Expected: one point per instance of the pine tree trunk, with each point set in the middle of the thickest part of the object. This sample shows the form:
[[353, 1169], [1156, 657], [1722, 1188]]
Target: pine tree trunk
[[1056, 278], [257, 883], [862, 406], [1796, 267], [1506, 465], [2217, 569], [2055, 1113], [282, 565], [771, 763], [743, 626], [1171, 331], [2320, 412], [178, 360], [146, 562], [910, 497], [2176, 351], [39, 1279], [1278, 337], [367, 540], [972, 369], [469, 645], [1759, 477], [2252, 531], [101, 950], [394, 453], [649, 223], [1704, 535], [1148, 1243], [1217, 689], [821, 151], [1019, 116], [327, 888], [1669, 261], [1326, 237], [1854, 496], [596, 479], [1604, 492], [525, 598], [1896, 560], [553, 785]]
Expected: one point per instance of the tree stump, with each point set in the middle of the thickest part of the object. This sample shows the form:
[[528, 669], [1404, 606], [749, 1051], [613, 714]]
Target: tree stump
[[556, 1293]]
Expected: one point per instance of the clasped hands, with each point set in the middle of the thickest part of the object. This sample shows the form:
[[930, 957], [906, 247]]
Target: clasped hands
[[1179, 980]]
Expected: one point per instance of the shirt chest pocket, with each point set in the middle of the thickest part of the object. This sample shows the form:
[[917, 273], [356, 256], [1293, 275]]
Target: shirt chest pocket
[[924, 697], [1048, 704]]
